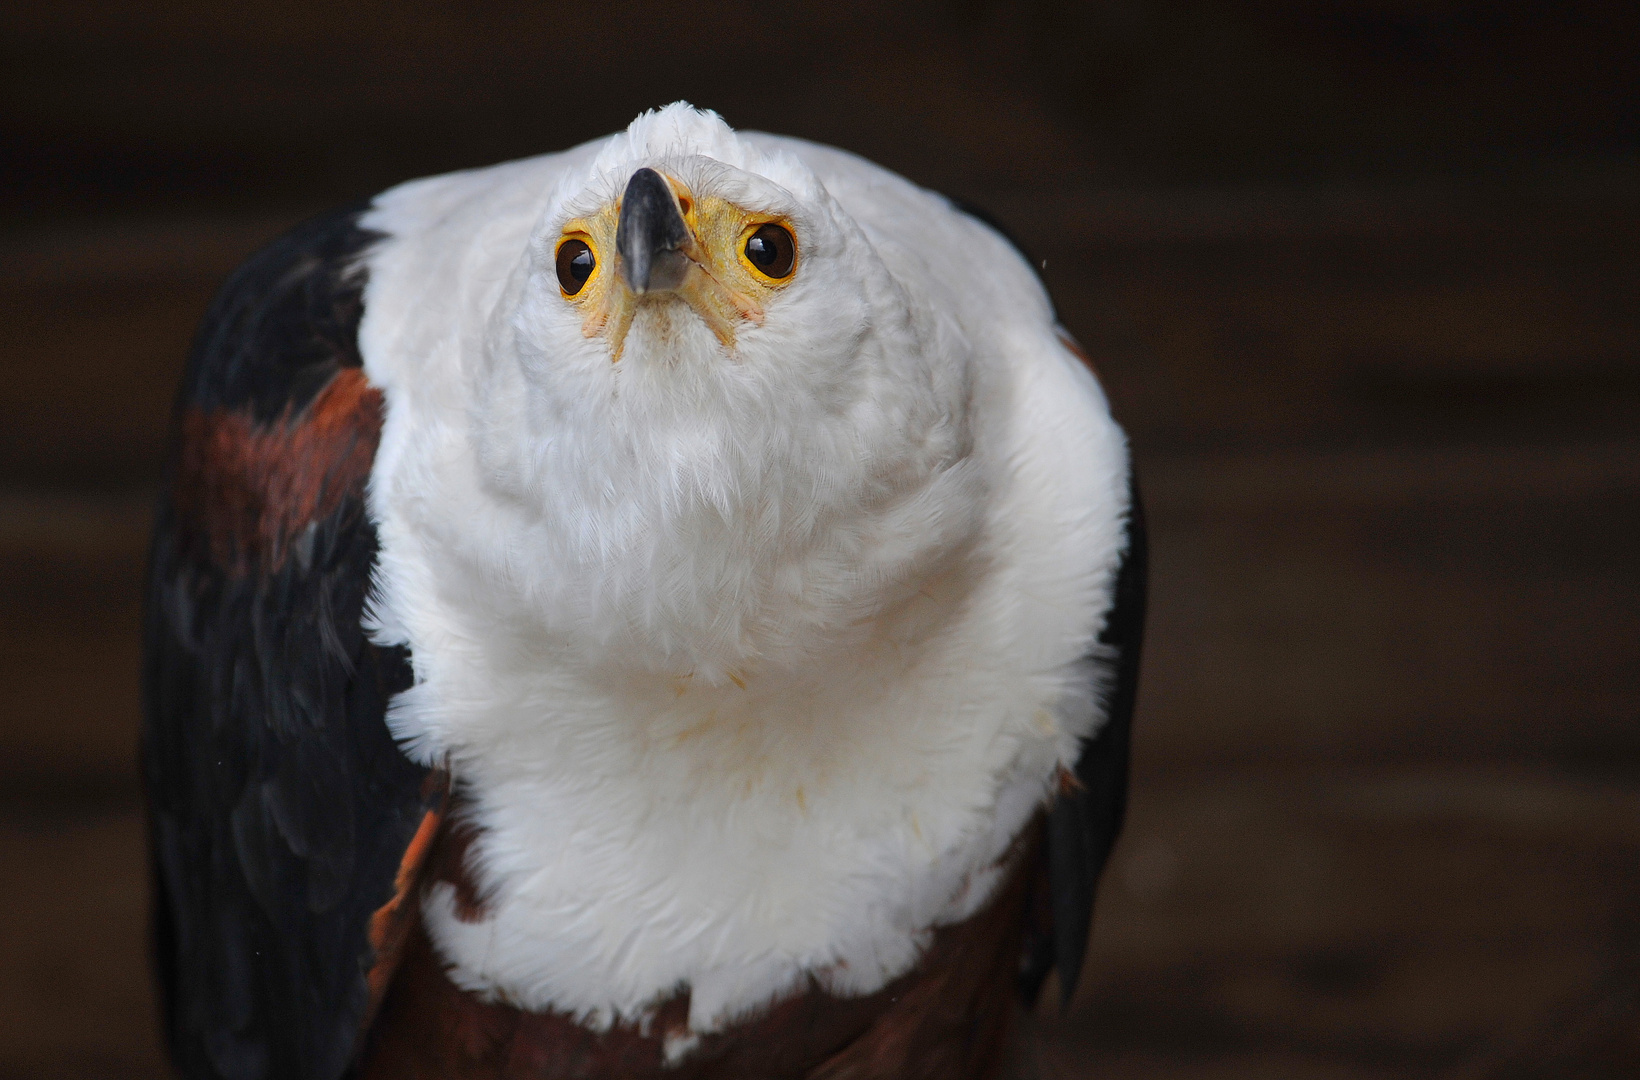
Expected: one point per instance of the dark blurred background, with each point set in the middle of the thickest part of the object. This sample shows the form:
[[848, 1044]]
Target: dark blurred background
[[1360, 276]]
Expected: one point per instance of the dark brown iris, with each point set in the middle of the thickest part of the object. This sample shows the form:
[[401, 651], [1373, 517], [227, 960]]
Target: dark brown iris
[[772, 250], [575, 265]]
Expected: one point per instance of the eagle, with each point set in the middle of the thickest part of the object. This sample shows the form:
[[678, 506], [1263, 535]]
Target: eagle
[[665, 609]]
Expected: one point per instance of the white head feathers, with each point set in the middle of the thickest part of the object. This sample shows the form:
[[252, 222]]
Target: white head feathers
[[702, 507]]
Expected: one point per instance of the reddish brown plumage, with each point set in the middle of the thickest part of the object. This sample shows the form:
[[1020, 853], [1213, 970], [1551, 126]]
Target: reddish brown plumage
[[250, 489], [952, 1018], [449, 865], [1076, 350], [391, 923], [1066, 783]]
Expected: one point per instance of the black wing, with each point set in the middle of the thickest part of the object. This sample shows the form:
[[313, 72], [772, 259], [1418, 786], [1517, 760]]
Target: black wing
[[1086, 815], [280, 807]]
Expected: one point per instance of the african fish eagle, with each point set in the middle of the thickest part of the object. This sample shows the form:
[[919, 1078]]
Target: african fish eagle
[[669, 608]]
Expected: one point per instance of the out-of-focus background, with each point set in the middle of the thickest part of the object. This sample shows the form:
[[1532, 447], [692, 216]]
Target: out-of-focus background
[[1360, 276]]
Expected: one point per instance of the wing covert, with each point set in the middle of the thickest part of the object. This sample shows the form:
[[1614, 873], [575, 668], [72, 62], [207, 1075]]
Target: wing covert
[[280, 807], [1087, 812], [1086, 816]]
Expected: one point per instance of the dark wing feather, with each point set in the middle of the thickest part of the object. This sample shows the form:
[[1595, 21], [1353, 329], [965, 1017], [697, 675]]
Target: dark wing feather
[[1087, 813], [1085, 821], [280, 807], [1086, 816]]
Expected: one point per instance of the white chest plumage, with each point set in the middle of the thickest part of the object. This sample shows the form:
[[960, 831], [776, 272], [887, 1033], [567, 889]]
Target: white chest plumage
[[753, 662]]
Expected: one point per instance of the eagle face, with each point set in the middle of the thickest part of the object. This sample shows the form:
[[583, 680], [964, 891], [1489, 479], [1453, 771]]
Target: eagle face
[[724, 426]]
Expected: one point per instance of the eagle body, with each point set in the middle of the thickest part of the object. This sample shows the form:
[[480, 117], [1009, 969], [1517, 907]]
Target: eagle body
[[670, 607]]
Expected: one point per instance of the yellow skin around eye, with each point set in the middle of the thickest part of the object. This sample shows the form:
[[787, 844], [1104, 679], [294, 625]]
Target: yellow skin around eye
[[723, 287], [597, 263]]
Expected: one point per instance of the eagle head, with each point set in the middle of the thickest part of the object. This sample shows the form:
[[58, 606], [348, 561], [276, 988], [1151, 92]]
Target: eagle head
[[727, 435]]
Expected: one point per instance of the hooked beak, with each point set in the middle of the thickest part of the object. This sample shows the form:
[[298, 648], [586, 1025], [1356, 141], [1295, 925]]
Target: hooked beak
[[652, 235], [661, 259]]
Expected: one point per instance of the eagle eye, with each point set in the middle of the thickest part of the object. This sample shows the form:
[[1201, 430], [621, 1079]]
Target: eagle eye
[[771, 251], [575, 265]]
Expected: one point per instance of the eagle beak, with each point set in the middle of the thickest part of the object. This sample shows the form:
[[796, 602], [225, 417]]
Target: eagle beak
[[661, 258], [651, 235]]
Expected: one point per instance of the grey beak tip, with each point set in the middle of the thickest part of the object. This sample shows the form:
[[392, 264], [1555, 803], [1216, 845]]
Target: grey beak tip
[[636, 271]]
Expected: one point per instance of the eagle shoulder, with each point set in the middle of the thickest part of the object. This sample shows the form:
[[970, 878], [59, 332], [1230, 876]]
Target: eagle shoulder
[[281, 809]]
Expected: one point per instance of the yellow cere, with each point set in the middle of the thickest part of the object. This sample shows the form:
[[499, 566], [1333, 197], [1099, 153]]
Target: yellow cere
[[722, 286]]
